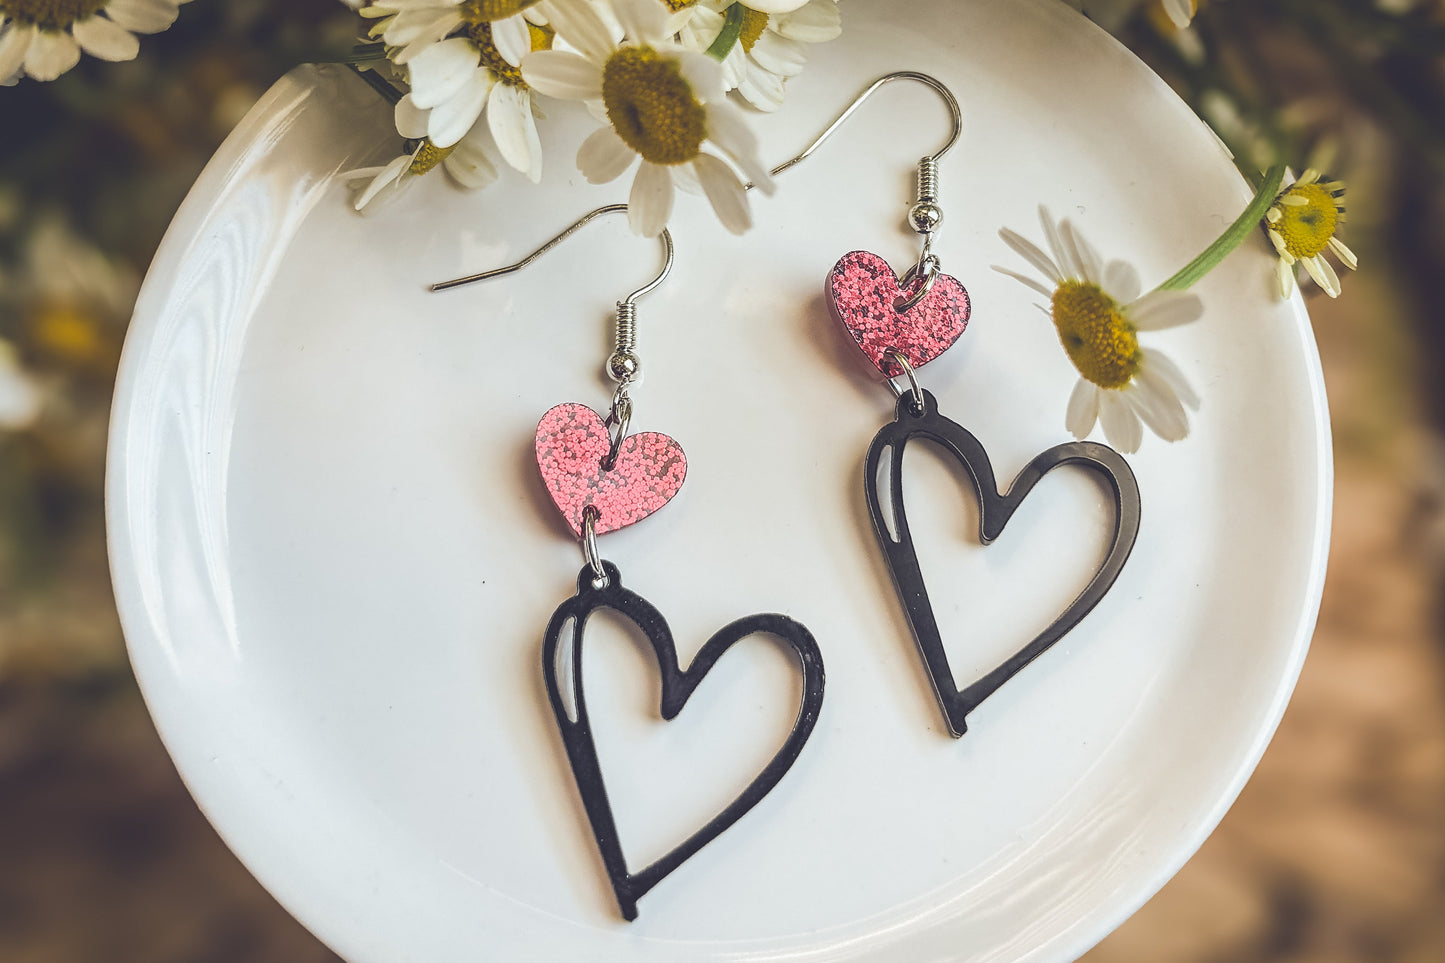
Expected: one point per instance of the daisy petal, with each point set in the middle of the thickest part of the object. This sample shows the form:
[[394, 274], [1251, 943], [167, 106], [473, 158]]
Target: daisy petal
[[1346, 256], [562, 74], [389, 175], [51, 54], [1083, 409], [781, 56], [1024, 280], [512, 38], [1081, 251], [725, 192], [1032, 253], [1179, 11], [727, 129], [440, 71], [776, 6], [1161, 365], [1062, 254], [1121, 424], [416, 33], [643, 21], [1284, 273], [1153, 401], [604, 156], [1159, 310], [579, 24], [650, 204], [1120, 281], [105, 39], [469, 164], [14, 45], [411, 120], [703, 74], [449, 121], [142, 16], [1317, 267], [759, 87], [814, 22], [509, 117]]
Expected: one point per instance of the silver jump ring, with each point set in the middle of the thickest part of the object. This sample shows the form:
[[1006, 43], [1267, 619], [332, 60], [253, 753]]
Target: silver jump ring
[[618, 420], [919, 405], [590, 515], [907, 302]]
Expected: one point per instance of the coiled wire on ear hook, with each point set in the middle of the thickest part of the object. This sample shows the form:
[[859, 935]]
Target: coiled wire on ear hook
[[624, 367]]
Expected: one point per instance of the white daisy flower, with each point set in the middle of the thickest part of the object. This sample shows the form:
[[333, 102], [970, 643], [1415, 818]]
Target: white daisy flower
[[44, 38], [663, 103], [771, 47], [1098, 312], [1301, 224], [19, 394], [412, 26], [457, 78], [465, 162]]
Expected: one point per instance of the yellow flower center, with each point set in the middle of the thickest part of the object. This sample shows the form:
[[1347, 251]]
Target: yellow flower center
[[1307, 228], [51, 14], [652, 107], [678, 5], [1100, 341], [481, 36], [485, 11], [428, 156], [754, 23]]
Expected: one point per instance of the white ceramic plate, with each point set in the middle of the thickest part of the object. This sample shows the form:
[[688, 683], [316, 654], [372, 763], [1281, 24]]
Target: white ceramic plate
[[334, 559]]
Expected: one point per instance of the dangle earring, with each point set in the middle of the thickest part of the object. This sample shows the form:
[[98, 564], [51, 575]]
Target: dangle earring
[[602, 479], [901, 324]]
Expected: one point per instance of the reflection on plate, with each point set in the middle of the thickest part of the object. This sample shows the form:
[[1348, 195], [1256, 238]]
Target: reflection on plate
[[334, 560]]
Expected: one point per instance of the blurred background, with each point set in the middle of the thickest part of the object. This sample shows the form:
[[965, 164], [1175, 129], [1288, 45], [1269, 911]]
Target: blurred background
[[1334, 852]]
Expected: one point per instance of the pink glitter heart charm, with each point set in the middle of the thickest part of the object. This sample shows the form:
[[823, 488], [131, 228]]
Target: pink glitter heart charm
[[862, 289], [571, 443]]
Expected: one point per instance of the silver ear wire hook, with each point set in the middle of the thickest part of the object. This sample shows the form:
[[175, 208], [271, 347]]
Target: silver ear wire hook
[[576, 226], [925, 216], [624, 367], [955, 114]]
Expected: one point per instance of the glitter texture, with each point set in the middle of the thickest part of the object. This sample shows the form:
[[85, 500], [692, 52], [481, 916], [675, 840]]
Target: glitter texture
[[862, 289], [571, 443]]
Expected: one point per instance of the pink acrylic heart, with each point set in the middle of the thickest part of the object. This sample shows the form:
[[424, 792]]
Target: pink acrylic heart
[[572, 441], [862, 290]]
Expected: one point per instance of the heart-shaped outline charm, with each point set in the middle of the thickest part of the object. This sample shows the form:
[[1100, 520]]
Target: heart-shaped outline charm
[[678, 686], [862, 291], [571, 443], [994, 511]]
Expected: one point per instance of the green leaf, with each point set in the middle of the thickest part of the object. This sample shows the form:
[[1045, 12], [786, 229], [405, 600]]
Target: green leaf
[[732, 29], [1233, 235]]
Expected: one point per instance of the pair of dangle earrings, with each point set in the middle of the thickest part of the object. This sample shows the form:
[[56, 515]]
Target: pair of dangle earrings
[[603, 478]]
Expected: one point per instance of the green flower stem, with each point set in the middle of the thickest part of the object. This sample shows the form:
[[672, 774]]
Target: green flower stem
[[732, 29], [1232, 237]]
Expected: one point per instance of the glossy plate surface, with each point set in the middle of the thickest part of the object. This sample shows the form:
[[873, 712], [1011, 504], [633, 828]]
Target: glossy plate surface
[[334, 558]]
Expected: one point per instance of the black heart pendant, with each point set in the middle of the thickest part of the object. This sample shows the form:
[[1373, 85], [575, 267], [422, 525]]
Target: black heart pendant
[[994, 511], [677, 688]]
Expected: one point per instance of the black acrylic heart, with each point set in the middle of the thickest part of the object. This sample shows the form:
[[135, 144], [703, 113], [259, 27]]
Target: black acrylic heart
[[677, 688], [994, 511]]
